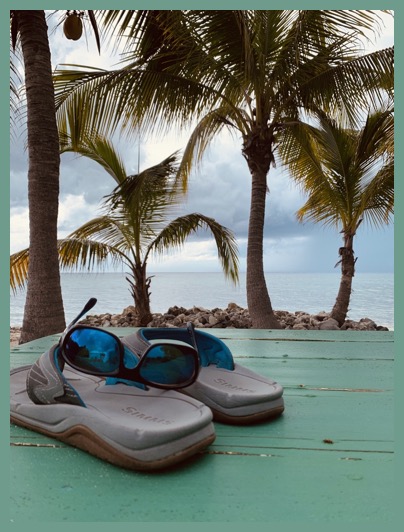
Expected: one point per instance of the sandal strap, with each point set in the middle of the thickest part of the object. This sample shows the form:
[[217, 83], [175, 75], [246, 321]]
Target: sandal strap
[[211, 350], [46, 383]]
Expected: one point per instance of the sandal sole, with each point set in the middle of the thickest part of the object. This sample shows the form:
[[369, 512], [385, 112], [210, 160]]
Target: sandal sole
[[221, 417], [85, 439]]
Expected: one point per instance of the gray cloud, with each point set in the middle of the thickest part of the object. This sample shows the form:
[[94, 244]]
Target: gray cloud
[[79, 175], [18, 172], [220, 190], [223, 191]]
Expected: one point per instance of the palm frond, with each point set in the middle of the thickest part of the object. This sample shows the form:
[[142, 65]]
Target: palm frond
[[344, 88], [99, 149], [86, 254], [376, 139], [75, 253], [300, 152], [210, 125], [19, 269], [177, 231], [82, 102], [149, 98], [149, 196], [378, 196], [93, 22], [150, 28], [347, 174], [17, 91], [110, 230], [184, 64], [14, 32]]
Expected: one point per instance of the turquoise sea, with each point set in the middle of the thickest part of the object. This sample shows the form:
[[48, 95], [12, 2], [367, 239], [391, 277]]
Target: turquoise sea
[[372, 297]]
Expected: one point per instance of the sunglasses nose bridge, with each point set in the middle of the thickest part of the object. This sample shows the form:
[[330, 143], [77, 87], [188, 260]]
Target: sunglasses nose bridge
[[130, 359]]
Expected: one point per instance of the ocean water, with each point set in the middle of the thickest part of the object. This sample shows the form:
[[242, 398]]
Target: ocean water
[[372, 296]]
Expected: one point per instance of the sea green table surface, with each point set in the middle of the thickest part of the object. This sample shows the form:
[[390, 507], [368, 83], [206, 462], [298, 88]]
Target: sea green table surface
[[328, 458]]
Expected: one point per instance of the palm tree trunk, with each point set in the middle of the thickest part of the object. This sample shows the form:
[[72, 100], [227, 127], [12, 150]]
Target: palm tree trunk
[[141, 294], [43, 313], [257, 150], [258, 300], [348, 260]]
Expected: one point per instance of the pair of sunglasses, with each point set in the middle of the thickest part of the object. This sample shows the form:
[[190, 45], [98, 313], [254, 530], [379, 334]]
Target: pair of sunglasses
[[98, 352]]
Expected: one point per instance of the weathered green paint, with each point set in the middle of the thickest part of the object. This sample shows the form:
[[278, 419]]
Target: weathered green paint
[[338, 388]]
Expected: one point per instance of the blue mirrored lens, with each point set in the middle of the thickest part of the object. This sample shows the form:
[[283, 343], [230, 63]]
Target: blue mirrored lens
[[93, 350], [168, 364]]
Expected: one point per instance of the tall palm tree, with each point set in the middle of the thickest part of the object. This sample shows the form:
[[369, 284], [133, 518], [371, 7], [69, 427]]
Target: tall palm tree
[[348, 176], [253, 72], [136, 224], [43, 312]]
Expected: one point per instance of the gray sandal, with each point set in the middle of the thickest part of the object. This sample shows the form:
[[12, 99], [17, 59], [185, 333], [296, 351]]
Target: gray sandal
[[235, 394], [128, 426], [134, 418]]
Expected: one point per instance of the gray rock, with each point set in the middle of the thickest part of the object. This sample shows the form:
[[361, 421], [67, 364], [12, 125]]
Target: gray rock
[[321, 316], [368, 322], [329, 325], [213, 320]]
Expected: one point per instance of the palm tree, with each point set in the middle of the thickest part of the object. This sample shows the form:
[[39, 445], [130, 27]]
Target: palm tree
[[348, 176], [43, 312], [136, 224], [253, 72]]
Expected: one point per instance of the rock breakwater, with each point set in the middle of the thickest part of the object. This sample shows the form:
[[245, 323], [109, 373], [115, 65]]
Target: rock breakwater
[[233, 316]]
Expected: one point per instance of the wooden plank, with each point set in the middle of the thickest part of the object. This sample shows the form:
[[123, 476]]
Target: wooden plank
[[311, 350], [340, 344], [64, 484], [349, 375], [310, 418], [303, 335]]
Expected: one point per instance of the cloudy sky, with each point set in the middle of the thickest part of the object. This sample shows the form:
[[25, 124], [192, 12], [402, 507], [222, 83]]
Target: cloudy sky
[[220, 188]]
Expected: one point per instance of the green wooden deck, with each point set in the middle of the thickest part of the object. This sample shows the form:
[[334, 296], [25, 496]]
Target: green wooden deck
[[328, 458]]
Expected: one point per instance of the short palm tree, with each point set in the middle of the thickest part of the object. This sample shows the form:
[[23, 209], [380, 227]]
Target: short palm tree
[[348, 176], [136, 223], [252, 72]]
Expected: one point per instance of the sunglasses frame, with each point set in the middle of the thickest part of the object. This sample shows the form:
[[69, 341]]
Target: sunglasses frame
[[132, 374]]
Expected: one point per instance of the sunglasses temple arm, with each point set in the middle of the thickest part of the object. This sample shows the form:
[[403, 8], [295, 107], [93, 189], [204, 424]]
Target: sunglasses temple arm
[[88, 306], [191, 330]]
